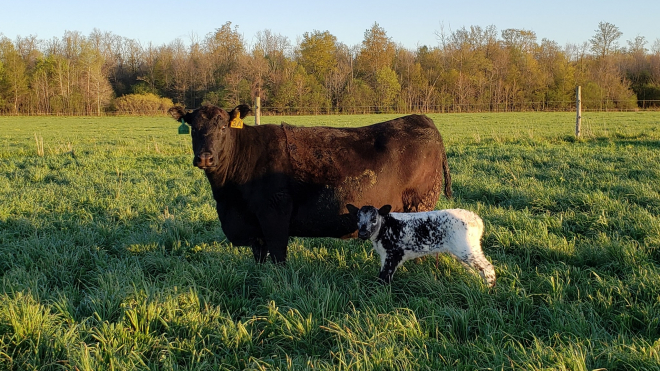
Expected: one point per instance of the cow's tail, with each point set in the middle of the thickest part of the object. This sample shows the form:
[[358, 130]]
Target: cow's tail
[[445, 170]]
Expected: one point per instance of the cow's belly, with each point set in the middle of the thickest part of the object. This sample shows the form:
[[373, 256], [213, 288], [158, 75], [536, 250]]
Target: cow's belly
[[320, 211], [329, 226], [241, 236]]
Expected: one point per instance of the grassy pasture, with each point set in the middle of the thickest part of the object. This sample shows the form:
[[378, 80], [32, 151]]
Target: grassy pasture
[[112, 257]]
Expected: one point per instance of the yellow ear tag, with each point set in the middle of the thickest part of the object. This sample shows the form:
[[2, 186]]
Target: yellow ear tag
[[236, 123]]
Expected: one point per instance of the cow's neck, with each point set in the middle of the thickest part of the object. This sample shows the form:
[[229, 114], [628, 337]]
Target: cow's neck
[[236, 159]]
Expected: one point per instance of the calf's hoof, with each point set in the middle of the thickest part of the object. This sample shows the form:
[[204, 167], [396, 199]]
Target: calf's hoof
[[384, 279]]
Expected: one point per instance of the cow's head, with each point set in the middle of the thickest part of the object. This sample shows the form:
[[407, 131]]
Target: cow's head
[[369, 219], [209, 129]]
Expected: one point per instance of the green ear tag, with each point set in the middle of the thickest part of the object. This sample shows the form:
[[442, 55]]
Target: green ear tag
[[183, 129]]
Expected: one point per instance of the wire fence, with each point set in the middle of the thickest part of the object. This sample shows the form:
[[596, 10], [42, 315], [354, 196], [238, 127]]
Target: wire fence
[[547, 106]]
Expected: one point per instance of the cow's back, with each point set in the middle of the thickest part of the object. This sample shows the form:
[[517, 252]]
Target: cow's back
[[398, 162]]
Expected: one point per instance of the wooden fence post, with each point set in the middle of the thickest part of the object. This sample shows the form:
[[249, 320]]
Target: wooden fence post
[[578, 107], [257, 109]]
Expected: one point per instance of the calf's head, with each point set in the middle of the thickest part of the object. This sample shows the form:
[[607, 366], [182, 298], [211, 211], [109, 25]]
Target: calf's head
[[210, 130], [369, 218]]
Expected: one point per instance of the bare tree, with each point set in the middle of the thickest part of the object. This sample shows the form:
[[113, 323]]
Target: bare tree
[[605, 40], [637, 45], [523, 40], [13, 81], [655, 49], [28, 48], [273, 44], [180, 65]]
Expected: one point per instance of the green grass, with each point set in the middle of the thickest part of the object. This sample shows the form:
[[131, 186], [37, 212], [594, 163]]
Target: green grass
[[112, 257]]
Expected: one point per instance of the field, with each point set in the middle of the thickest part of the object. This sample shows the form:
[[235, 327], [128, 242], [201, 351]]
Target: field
[[112, 257]]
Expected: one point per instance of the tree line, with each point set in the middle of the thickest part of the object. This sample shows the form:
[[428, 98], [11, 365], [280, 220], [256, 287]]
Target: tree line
[[471, 69]]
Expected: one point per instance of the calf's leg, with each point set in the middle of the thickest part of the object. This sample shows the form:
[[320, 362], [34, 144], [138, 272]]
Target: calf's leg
[[485, 270], [385, 277], [389, 266], [467, 248], [478, 262]]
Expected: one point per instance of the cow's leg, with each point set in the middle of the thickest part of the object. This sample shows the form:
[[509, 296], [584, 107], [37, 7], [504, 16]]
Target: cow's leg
[[278, 248], [274, 223], [259, 250], [276, 237]]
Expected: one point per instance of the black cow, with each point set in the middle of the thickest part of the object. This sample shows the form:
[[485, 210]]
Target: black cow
[[275, 181]]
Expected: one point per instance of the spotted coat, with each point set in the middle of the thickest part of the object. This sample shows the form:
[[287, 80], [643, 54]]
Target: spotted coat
[[398, 237]]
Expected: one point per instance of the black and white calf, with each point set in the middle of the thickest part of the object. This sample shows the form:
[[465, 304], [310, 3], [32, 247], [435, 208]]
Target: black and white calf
[[398, 237]]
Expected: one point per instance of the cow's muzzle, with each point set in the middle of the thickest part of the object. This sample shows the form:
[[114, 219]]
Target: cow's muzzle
[[204, 160]]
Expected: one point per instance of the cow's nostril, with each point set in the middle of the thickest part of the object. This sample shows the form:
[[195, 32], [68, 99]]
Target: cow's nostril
[[203, 160]]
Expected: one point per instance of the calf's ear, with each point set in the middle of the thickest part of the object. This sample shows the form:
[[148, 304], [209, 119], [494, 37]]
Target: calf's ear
[[385, 210], [352, 209]]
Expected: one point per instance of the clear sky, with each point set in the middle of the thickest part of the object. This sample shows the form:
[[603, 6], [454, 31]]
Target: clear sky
[[411, 23]]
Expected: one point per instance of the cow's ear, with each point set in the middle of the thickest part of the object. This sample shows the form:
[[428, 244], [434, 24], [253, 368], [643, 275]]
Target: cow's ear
[[177, 112], [352, 209], [240, 111], [385, 210]]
